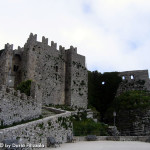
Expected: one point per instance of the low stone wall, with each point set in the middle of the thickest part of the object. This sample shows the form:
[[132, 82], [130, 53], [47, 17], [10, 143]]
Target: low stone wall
[[116, 138], [57, 111], [16, 107], [35, 132]]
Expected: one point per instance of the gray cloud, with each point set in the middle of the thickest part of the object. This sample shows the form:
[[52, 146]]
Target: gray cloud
[[113, 35]]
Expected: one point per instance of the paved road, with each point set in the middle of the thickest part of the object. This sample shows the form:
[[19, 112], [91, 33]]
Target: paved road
[[104, 145]]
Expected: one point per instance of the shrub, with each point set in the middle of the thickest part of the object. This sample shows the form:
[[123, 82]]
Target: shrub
[[25, 87], [88, 126], [132, 100]]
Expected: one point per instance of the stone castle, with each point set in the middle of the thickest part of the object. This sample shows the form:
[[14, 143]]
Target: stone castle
[[134, 80], [58, 77], [60, 74]]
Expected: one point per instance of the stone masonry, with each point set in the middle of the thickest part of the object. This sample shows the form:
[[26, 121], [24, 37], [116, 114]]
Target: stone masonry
[[134, 80], [17, 107], [61, 74], [58, 77], [37, 132]]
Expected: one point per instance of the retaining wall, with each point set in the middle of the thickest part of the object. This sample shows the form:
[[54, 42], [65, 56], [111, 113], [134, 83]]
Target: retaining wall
[[116, 138], [35, 132]]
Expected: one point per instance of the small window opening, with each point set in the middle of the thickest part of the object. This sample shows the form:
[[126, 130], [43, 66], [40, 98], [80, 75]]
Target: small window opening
[[56, 76], [103, 82], [123, 78], [16, 68], [132, 77], [56, 68]]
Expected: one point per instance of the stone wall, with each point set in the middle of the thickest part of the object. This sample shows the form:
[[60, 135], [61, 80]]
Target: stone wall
[[134, 80], [77, 78], [46, 66], [5, 65], [116, 138], [16, 107], [35, 132], [134, 122]]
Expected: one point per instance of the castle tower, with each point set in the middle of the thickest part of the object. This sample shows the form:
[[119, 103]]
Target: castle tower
[[6, 76], [76, 79]]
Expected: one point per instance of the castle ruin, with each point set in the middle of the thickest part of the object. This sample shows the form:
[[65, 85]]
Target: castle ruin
[[61, 74], [134, 80]]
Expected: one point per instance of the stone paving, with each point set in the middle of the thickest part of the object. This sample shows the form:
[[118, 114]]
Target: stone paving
[[104, 145]]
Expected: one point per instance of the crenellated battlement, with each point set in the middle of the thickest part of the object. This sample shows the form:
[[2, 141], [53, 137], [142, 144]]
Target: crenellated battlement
[[32, 38], [54, 45], [8, 46], [73, 49], [61, 48], [19, 48], [45, 40]]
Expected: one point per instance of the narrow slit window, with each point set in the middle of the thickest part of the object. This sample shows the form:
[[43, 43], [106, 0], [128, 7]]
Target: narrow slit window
[[56, 68], [56, 76]]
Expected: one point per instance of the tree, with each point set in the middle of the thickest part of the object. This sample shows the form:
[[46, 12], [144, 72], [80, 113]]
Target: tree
[[102, 89], [130, 107]]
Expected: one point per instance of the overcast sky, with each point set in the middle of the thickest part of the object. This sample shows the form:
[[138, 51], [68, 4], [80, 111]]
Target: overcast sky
[[114, 35]]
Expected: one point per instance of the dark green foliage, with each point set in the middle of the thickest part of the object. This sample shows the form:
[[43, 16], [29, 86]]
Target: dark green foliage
[[101, 95], [49, 123], [88, 126], [25, 87], [128, 106], [65, 122], [41, 125], [96, 114], [83, 126], [17, 138], [132, 100]]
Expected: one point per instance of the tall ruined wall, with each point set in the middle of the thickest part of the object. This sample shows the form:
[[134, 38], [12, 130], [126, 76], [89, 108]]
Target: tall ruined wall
[[76, 81], [2, 67], [134, 122], [17, 67], [134, 80], [16, 106], [5, 65], [10, 66], [29, 58]]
